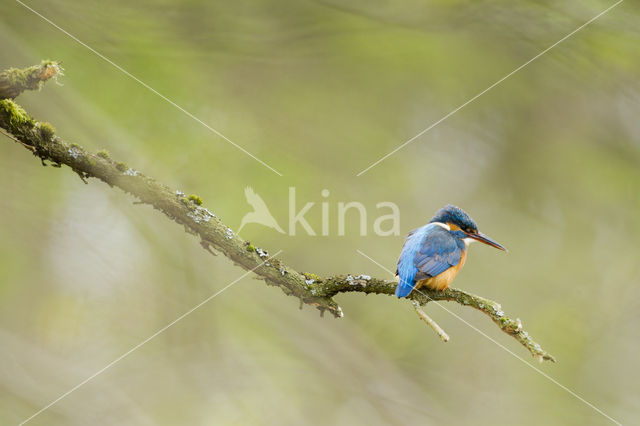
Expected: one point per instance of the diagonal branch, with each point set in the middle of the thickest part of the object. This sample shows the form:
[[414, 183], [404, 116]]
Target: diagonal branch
[[41, 140]]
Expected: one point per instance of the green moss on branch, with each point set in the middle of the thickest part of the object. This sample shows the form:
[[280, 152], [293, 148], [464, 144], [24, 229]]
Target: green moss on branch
[[186, 210], [14, 80]]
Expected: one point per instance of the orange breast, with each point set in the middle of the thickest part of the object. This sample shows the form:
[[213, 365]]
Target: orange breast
[[443, 280]]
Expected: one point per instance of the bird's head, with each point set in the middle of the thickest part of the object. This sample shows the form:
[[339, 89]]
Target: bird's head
[[461, 223]]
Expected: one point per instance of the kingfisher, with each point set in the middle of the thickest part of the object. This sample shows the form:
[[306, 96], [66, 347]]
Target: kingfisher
[[433, 255]]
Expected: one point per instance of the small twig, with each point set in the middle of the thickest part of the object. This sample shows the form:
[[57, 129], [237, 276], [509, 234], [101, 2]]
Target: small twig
[[426, 318], [13, 138], [205, 245], [81, 174]]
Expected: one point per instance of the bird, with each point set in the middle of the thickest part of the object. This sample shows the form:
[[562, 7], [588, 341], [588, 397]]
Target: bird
[[260, 213], [433, 254]]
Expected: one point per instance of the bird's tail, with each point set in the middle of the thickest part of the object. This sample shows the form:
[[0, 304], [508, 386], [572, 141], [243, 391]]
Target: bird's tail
[[404, 287]]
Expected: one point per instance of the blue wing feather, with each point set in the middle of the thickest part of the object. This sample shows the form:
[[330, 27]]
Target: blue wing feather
[[427, 252], [406, 269]]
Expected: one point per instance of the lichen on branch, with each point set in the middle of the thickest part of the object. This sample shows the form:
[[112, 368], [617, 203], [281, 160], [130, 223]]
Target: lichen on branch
[[189, 211]]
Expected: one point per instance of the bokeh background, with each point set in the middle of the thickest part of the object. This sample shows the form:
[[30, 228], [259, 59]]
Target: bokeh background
[[548, 163]]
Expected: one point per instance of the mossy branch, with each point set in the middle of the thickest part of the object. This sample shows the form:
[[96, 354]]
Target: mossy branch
[[15, 81], [187, 210]]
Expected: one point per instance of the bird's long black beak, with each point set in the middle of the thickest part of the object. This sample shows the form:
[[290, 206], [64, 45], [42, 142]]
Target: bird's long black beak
[[479, 236]]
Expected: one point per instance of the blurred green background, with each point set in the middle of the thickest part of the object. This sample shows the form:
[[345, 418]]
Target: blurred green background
[[548, 163]]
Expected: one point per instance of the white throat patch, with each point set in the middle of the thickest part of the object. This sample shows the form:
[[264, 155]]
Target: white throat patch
[[443, 225]]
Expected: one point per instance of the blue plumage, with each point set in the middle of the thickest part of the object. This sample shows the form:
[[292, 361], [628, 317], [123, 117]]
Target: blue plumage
[[427, 252], [455, 215], [433, 254]]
